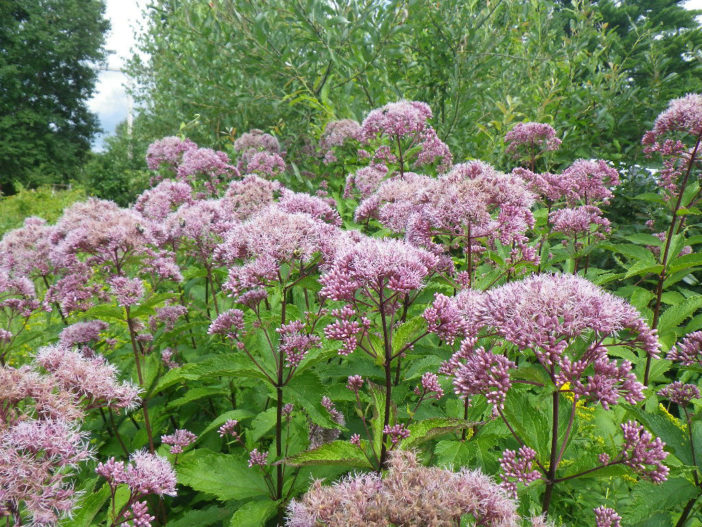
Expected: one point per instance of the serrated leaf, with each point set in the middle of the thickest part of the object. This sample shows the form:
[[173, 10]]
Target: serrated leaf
[[334, 453], [635, 252], [89, 506], [430, 428], [306, 391], [224, 476], [648, 498], [196, 394], [453, 453], [407, 332], [688, 261], [263, 423], [225, 365], [254, 513], [651, 197], [675, 315], [641, 238], [643, 267], [202, 517]]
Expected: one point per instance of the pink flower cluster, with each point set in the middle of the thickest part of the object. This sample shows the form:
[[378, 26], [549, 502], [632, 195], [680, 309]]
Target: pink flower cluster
[[40, 440], [579, 221], [484, 373], [230, 323], [472, 204], [643, 453], [25, 251], [336, 134], [259, 153], [606, 517], [178, 440], [680, 393], [531, 139], [365, 180], [89, 376], [518, 467], [210, 166], [254, 249], [295, 342], [396, 433], [376, 265], [168, 151], [408, 494], [82, 332], [682, 120], [228, 428], [544, 315], [145, 474], [257, 459], [188, 163], [688, 352], [406, 120]]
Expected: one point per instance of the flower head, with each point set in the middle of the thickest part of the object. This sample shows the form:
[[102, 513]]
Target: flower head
[[408, 494], [606, 517], [167, 151], [643, 453], [178, 440], [688, 352], [257, 459], [531, 139], [518, 466], [90, 377]]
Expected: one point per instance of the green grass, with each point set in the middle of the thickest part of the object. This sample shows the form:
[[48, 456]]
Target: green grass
[[46, 202]]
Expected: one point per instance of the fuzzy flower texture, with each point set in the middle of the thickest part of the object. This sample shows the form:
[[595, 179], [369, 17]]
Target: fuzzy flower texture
[[544, 315], [409, 494]]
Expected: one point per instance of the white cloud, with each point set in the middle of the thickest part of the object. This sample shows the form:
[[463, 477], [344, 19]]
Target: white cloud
[[110, 101]]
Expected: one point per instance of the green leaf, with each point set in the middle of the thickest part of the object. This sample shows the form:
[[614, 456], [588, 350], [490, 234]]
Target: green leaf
[[430, 428], [453, 453], [263, 423], [648, 498], [407, 332], [224, 476], [675, 315], [529, 421], [254, 513], [688, 261], [106, 312], [195, 394], [651, 197], [225, 365], [643, 267], [334, 453], [641, 238], [88, 506], [306, 391], [635, 252], [202, 517]]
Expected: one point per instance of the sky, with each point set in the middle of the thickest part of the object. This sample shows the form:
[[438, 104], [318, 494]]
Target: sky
[[110, 102]]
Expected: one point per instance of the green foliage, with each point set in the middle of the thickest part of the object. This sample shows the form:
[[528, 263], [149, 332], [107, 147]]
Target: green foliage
[[47, 74], [46, 202], [294, 66]]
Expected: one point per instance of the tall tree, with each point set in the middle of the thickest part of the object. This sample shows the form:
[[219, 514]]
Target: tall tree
[[49, 50]]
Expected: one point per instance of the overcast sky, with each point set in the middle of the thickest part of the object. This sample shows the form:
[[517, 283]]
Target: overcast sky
[[110, 101]]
